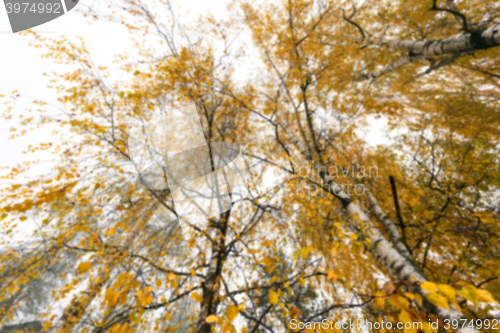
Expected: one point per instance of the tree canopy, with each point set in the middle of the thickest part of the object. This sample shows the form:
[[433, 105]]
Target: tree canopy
[[334, 226]]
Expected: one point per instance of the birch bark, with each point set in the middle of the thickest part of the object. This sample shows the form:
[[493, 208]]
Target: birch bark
[[401, 267], [465, 42]]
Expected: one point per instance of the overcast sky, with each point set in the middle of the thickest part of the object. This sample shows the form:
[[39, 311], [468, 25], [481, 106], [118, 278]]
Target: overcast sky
[[22, 68]]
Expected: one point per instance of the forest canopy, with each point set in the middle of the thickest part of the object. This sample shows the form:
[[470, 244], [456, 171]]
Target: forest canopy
[[334, 226]]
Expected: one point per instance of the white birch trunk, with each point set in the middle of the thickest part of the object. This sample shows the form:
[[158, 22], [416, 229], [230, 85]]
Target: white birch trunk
[[466, 42], [400, 267], [389, 224], [392, 67]]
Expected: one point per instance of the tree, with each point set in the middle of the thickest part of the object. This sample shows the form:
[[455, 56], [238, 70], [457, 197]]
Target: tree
[[318, 236], [316, 83]]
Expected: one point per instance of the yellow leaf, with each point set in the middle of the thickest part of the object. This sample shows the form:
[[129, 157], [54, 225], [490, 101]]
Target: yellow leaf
[[304, 251], [226, 328], [430, 287], [484, 296], [418, 297], [404, 317], [332, 276], [404, 302], [171, 276], [438, 300], [273, 297], [136, 284], [336, 246], [449, 292], [145, 297], [410, 296], [232, 313], [398, 301], [110, 296], [46, 325], [125, 328], [197, 297], [380, 298], [467, 293], [84, 267], [211, 319], [111, 232]]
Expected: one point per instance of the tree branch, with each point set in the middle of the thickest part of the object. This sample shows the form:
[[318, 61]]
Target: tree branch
[[456, 13]]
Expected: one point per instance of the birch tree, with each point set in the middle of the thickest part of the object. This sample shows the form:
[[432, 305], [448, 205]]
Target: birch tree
[[334, 227], [323, 81]]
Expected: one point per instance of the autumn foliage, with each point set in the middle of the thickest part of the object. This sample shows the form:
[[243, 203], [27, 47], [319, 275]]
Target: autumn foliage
[[335, 226]]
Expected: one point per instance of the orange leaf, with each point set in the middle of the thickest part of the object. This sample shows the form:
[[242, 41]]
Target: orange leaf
[[84, 267]]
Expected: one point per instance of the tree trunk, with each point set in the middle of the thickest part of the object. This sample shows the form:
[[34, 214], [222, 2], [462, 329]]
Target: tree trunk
[[211, 284], [395, 236], [400, 267], [466, 42], [28, 327]]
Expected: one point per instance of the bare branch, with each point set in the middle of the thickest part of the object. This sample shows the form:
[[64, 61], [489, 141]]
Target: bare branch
[[456, 13], [349, 19]]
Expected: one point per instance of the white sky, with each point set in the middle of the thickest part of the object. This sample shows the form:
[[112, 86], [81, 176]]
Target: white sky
[[22, 68]]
